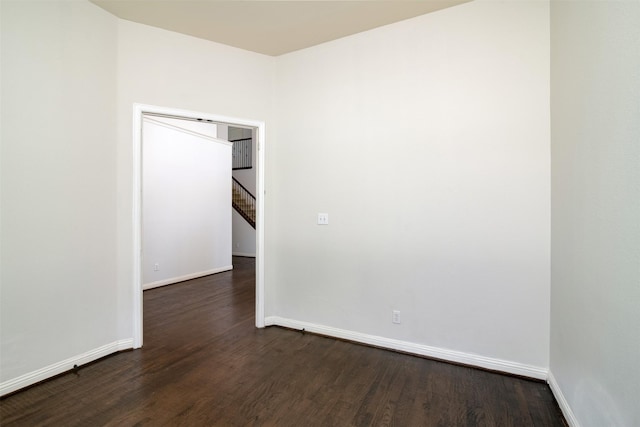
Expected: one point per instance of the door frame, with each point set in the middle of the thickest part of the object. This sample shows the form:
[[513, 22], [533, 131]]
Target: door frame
[[138, 111]]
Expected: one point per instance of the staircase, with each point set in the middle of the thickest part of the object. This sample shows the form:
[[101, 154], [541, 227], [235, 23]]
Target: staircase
[[243, 202]]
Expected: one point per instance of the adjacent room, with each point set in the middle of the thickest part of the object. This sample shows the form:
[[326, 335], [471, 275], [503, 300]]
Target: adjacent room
[[452, 181]]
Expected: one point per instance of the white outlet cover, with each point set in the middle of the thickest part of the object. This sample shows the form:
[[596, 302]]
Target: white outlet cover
[[395, 316]]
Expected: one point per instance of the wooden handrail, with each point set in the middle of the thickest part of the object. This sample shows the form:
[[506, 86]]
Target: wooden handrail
[[243, 202]]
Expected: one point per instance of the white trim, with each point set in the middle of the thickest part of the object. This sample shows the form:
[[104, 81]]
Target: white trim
[[188, 131], [58, 368], [417, 349], [247, 255], [138, 111], [260, 195], [136, 212], [173, 280], [562, 401]]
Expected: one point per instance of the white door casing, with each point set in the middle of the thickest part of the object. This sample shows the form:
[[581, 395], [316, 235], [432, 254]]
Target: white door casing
[[138, 111]]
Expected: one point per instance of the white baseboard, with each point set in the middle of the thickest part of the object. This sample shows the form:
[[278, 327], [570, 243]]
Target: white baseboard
[[57, 368], [413, 348], [562, 401], [173, 280], [248, 255]]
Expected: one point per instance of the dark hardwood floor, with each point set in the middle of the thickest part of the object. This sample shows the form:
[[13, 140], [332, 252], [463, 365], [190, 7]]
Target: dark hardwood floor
[[205, 364]]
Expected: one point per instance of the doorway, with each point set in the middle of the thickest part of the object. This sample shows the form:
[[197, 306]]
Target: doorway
[[139, 111]]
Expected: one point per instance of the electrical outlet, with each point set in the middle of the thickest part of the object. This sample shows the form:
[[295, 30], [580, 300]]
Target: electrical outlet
[[156, 267], [395, 316]]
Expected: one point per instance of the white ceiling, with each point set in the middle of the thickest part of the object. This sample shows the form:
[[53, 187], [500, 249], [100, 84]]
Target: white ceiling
[[270, 27]]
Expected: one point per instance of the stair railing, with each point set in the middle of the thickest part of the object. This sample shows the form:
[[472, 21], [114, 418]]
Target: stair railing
[[243, 202], [241, 153]]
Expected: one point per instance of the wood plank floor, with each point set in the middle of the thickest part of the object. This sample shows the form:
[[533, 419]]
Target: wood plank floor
[[205, 364]]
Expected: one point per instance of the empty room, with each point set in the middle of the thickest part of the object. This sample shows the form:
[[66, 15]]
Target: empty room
[[447, 199]]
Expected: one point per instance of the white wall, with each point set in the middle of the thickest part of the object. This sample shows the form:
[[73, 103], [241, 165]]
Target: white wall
[[244, 236], [186, 201], [58, 187], [435, 174], [167, 69], [222, 131], [595, 275]]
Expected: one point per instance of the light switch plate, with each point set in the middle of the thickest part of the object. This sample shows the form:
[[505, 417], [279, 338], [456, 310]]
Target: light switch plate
[[323, 219]]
